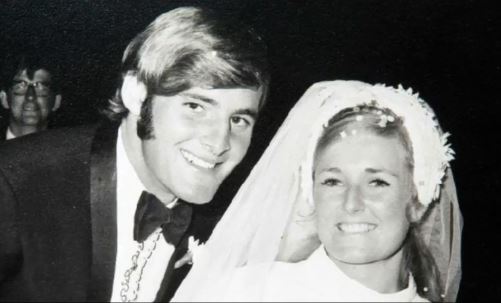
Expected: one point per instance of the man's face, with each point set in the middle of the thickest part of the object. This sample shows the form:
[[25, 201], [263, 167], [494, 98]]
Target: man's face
[[30, 100], [362, 189], [199, 136]]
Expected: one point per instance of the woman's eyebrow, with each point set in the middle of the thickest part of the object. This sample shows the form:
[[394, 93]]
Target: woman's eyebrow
[[380, 170], [331, 170]]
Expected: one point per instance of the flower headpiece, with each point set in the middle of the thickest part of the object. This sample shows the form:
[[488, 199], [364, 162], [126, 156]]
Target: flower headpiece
[[431, 152]]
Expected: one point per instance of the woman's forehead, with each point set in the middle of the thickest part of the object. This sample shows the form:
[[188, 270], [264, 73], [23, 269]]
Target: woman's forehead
[[363, 154]]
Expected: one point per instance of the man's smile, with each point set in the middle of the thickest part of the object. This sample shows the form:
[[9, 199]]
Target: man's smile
[[197, 161]]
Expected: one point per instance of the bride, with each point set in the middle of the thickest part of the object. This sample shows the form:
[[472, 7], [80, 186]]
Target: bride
[[351, 201]]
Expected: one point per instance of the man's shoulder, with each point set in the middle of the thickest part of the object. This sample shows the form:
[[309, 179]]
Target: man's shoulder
[[49, 141], [49, 148]]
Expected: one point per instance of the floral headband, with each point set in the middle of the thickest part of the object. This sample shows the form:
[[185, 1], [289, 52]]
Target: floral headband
[[431, 152]]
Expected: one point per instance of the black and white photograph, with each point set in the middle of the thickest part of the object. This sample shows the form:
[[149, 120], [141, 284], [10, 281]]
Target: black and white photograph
[[249, 150]]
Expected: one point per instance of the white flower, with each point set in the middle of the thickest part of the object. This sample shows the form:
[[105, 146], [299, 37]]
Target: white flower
[[195, 248]]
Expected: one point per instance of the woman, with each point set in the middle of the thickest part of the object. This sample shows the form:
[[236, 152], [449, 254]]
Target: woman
[[343, 205]]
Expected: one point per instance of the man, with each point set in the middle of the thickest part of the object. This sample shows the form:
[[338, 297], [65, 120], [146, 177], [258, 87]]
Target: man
[[30, 95], [71, 226]]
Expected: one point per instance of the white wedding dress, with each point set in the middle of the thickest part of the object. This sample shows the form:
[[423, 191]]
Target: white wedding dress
[[316, 279], [266, 221]]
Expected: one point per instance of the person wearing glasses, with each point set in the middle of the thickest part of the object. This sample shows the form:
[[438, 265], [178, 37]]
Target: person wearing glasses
[[30, 96]]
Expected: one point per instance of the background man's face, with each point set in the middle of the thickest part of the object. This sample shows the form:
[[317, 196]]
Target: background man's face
[[31, 100], [199, 136]]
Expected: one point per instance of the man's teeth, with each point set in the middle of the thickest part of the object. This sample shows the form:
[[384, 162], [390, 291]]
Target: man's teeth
[[356, 227], [197, 161]]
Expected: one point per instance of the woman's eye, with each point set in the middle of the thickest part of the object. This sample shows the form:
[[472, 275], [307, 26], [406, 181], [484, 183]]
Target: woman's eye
[[331, 182], [379, 183]]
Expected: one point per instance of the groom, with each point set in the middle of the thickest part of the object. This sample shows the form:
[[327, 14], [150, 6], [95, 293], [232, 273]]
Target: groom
[[102, 213]]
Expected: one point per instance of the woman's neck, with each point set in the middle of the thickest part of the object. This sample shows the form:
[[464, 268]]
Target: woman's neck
[[382, 276]]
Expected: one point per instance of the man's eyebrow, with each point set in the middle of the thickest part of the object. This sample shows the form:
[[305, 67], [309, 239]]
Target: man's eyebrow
[[243, 111], [18, 80], [376, 170], [199, 97], [246, 111]]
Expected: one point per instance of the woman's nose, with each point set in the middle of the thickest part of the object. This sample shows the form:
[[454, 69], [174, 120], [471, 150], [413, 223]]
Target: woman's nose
[[353, 200]]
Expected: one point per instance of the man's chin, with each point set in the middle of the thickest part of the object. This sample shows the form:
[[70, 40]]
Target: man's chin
[[31, 121], [198, 197]]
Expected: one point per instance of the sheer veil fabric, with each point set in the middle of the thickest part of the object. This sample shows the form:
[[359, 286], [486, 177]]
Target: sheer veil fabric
[[270, 218]]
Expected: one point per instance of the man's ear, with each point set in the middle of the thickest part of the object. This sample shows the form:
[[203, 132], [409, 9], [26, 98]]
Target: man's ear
[[133, 93], [3, 97], [57, 102]]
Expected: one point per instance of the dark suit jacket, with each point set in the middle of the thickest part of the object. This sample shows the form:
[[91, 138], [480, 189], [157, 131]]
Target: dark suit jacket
[[58, 217], [3, 128]]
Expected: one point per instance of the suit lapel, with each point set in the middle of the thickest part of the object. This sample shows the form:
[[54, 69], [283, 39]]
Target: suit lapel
[[103, 182], [173, 277], [3, 130]]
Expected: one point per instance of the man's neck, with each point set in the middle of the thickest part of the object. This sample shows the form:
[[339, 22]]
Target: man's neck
[[382, 276], [133, 149], [21, 130]]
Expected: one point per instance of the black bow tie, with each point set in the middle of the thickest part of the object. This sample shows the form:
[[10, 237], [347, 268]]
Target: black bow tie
[[152, 213]]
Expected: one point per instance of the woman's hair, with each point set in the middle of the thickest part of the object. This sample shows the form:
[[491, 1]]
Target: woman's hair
[[192, 47], [383, 122]]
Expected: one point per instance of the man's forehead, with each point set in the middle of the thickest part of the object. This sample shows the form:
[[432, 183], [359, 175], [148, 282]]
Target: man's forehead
[[245, 97], [40, 75]]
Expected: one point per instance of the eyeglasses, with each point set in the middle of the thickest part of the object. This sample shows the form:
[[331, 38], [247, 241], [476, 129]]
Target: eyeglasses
[[21, 87]]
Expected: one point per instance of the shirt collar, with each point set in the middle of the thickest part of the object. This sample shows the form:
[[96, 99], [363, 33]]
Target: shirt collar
[[10, 134]]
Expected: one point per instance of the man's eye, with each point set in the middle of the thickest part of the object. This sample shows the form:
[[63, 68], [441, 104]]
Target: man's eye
[[379, 183], [20, 83], [194, 106], [240, 121], [331, 182], [42, 85]]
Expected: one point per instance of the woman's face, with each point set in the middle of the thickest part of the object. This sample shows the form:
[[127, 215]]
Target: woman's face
[[362, 186]]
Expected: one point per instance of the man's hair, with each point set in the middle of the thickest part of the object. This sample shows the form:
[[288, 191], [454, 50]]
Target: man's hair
[[31, 63], [192, 47]]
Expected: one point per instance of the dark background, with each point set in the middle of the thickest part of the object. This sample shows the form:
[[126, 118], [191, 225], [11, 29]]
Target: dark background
[[447, 50]]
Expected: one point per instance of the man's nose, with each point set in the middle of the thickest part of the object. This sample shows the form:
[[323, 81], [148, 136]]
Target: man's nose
[[217, 141], [31, 94], [353, 202]]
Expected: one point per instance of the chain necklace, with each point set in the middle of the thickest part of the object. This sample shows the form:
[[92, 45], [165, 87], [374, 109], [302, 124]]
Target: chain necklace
[[133, 275]]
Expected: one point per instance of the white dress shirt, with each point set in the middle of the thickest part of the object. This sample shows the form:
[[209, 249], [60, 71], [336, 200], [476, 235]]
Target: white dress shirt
[[129, 189], [9, 135]]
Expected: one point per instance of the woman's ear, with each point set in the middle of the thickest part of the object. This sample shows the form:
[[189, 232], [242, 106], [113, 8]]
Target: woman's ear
[[133, 93], [416, 210], [300, 238]]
